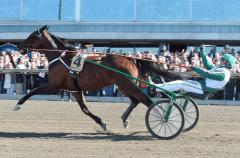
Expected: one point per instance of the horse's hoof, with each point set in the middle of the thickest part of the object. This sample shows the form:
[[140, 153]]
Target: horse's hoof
[[17, 107], [104, 126], [126, 124]]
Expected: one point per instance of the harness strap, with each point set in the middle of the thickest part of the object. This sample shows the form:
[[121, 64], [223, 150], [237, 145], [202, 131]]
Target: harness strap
[[60, 59], [64, 64], [53, 61], [69, 68]]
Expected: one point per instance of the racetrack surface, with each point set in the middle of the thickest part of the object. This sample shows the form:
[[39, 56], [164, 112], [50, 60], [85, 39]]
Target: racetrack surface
[[59, 129]]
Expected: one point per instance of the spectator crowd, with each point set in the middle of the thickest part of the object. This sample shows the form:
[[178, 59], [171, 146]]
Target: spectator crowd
[[32, 60], [173, 61], [12, 84]]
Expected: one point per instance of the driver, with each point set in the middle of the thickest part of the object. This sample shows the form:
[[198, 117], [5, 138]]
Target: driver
[[214, 77]]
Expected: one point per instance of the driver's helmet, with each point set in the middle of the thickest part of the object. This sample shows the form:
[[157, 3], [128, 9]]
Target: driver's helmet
[[231, 61], [227, 47]]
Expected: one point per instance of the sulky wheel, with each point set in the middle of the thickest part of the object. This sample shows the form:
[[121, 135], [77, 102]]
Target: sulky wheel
[[191, 112], [164, 120]]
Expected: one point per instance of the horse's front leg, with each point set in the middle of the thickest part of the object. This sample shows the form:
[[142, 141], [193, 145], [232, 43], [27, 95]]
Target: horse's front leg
[[38, 90], [81, 101]]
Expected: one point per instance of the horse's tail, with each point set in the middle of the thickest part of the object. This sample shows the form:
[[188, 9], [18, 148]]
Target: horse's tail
[[11, 60], [143, 67], [152, 68], [157, 68]]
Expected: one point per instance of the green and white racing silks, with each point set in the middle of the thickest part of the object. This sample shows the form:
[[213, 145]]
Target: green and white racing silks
[[215, 78]]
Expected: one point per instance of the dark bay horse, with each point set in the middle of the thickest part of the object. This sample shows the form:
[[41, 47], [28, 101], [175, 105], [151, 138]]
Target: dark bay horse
[[91, 78]]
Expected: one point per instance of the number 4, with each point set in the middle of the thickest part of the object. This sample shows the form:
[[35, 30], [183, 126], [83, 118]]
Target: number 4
[[77, 62]]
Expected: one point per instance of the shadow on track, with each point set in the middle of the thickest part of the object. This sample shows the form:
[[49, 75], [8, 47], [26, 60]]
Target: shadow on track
[[79, 136]]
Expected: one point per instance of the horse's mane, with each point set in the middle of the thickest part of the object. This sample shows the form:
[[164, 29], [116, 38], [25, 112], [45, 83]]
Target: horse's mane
[[61, 42], [56, 39]]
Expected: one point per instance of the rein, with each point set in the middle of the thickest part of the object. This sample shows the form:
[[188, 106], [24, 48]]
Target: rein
[[85, 53], [182, 66], [74, 51]]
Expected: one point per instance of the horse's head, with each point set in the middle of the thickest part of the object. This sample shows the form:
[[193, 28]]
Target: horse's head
[[34, 40], [40, 39]]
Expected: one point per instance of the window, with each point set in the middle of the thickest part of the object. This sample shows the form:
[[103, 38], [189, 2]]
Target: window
[[102, 10], [163, 10], [215, 10], [40, 10], [68, 10], [10, 10]]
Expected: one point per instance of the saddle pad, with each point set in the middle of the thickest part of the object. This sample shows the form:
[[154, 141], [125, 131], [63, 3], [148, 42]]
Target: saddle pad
[[77, 63]]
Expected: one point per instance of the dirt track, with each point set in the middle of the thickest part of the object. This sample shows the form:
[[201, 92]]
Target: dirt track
[[59, 129]]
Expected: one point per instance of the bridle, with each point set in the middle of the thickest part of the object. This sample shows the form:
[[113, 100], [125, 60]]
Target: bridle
[[28, 45]]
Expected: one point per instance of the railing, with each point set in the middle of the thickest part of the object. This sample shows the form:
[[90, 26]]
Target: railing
[[235, 77], [36, 71], [22, 71]]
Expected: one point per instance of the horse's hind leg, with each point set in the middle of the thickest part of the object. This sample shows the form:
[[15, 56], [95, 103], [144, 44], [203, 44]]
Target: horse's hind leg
[[81, 101], [130, 108], [135, 94]]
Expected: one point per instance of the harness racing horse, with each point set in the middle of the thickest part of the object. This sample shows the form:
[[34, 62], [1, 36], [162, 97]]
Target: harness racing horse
[[91, 78]]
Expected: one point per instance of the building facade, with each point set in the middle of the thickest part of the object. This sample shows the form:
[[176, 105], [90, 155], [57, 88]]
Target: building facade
[[125, 23]]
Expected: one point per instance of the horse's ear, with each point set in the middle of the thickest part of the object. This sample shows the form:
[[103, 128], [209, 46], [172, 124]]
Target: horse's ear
[[38, 31], [43, 28]]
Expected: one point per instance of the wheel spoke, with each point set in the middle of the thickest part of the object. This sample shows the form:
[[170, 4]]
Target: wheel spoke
[[156, 120], [165, 129], [190, 117], [157, 111], [173, 125], [173, 116], [175, 121], [188, 108], [156, 115], [161, 107], [156, 125], [181, 103], [187, 120], [190, 112], [160, 129], [170, 128]]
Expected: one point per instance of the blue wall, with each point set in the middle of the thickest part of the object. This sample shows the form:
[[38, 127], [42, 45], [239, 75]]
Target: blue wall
[[120, 10]]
